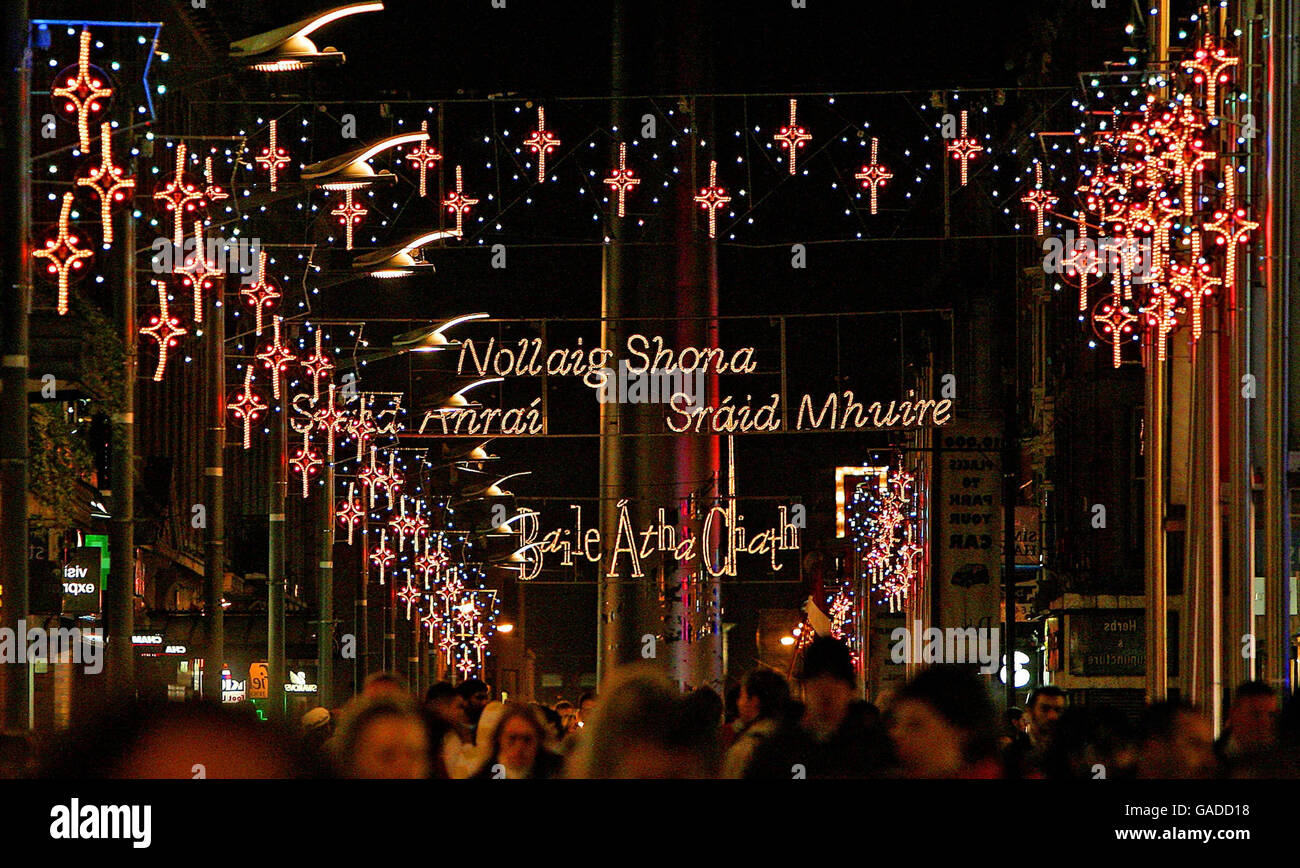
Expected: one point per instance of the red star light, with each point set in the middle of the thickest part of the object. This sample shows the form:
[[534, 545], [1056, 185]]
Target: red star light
[[874, 176], [712, 198], [273, 157], [424, 158], [276, 358], [1039, 200], [179, 197], [964, 148], [247, 406], [542, 142], [622, 180], [349, 214], [261, 294], [64, 256], [107, 181], [84, 93], [164, 329], [306, 462], [792, 136], [458, 203]]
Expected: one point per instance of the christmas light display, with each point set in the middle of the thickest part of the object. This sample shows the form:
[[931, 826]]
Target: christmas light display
[[623, 179], [198, 271], [382, 556], [179, 196], [458, 203], [408, 594], [276, 357], [306, 462], [273, 157], [349, 214], [164, 329], [247, 406], [350, 511], [792, 137], [261, 293], [1210, 64], [542, 142], [212, 191], [883, 520], [85, 93], [319, 366], [1230, 227], [1039, 200], [107, 181], [874, 175], [964, 148], [64, 255], [329, 420], [1114, 321], [424, 158], [712, 198]]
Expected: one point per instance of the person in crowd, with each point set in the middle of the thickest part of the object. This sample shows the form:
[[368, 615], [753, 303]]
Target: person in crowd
[[473, 755], [317, 727], [1250, 731], [382, 737], [554, 725], [568, 716], [833, 735], [383, 684], [1014, 726], [1025, 757], [476, 695], [518, 747], [586, 707], [1176, 742], [643, 729], [1090, 744], [943, 725], [760, 708], [447, 724]]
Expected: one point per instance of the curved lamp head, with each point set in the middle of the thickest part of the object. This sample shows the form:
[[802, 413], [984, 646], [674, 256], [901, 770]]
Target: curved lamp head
[[400, 260], [288, 48], [429, 340], [352, 170]]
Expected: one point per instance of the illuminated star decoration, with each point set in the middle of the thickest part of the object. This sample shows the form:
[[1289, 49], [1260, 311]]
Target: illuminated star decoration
[[212, 190], [424, 158], [1081, 262], [277, 357], [350, 511], [329, 420], [458, 203], [247, 406], [542, 142], [1039, 200], [382, 556], [964, 148], [164, 329], [712, 198], [83, 92], [273, 157], [1231, 227], [107, 181], [1113, 321], [623, 179], [199, 271], [306, 462], [792, 136], [318, 366], [179, 196], [63, 253], [408, 594], [349, 214], [875, 175], [260, 294]]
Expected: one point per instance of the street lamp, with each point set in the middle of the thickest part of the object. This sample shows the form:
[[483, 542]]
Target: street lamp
[[400, 260], [287, 49], [352, 170]]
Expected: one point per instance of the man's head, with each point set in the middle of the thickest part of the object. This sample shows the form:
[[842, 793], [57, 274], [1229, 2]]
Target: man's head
[[568, 715], [443, 700], [1177, 743], [1046, 705], [586, 708], [1252, 718], [828, 680], [383, 737], [382, 684], [476, 696], [764, 694]]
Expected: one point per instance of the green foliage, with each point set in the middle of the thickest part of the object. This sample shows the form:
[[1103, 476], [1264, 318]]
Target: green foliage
[[59, 465]]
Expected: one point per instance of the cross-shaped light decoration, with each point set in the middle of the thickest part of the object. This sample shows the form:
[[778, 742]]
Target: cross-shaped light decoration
[[792, 136], [382, 556], [409, 594], [273, 157], [107, 181], [330, 420], [63, 253], [542, 142], [964, 149], [349, 214], [260, 294], [1081, 260], [371, 477], [1115, 321], [875, 175], [212, 190], [1039, 200], [1162, 318], [401, 525], [179, 196], [306, 462], [318, 366], [1193, 282], [458, 203], [429, 622], [1209, 64], [424, 158], [164, 329], [247, 406], [276, 357], [1231, 227], [199, 271], [712, 198], [350, 511], [83, 92], [623, 179], [361, 428]]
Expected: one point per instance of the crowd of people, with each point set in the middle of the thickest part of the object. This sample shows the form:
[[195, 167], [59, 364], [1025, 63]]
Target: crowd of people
[[943, 723]]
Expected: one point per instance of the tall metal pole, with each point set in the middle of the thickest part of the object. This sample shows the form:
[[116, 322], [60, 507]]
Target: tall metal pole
[[275, 567], [325, 592], [119, 599], [15, 307], [1010, 491], [214, 561]]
